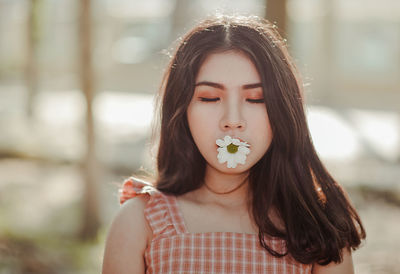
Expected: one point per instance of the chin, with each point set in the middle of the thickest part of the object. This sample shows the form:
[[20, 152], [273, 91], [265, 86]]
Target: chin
[[237, 170]]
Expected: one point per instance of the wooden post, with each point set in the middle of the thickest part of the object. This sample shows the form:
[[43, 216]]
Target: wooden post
[[31, 69], [276, 13], [91, 220]]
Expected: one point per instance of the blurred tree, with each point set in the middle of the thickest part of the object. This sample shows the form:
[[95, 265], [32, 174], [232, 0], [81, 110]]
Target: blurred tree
[[32, 45], [180, 17], [276, 13], [91, 221], [325, 58]]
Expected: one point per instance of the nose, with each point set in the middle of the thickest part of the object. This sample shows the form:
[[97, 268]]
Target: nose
[[232, 118]]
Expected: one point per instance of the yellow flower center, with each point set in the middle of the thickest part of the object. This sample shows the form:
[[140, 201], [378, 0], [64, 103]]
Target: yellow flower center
[[232, 148]]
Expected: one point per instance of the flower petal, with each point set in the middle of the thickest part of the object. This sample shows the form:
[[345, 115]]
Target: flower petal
[[231, 163], [222, 149], [240, 158], [222, 158], [244, 150], [236, 142], [227, 140], [220, 143]]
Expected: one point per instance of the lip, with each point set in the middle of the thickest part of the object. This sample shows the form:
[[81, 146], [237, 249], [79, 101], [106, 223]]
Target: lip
[[240, 139], [233, 137]]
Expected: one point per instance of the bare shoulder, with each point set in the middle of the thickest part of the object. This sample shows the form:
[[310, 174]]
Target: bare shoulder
[[127, 239], [345, 267]]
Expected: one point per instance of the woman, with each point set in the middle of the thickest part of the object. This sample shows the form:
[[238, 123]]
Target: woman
[[239, 188]]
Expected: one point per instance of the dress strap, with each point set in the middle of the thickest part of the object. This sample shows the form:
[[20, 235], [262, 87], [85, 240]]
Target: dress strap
[[160, 210], [176, 214]]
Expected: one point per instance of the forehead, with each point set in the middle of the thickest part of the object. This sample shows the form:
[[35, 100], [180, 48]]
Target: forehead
[[230, 68]]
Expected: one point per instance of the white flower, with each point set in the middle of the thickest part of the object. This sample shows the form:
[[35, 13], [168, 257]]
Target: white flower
[[232, 151]]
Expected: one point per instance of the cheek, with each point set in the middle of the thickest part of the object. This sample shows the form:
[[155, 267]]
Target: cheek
[[197, 121], [201, 125], [262, 128]]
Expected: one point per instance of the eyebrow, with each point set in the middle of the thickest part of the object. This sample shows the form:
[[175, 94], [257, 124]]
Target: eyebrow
[[220, 86]]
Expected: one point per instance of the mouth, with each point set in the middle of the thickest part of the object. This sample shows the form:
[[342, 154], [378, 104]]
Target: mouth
[[234, 137], [240, 139], [232, 151]]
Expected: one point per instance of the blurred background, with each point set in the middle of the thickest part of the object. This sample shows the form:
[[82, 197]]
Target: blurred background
[[77, 82]]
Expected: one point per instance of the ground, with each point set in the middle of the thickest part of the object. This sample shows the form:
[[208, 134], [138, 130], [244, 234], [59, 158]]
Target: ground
[[40, 214]]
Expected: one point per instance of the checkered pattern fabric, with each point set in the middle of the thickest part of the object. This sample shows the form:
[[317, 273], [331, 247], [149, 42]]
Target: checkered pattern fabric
[[174, 249]]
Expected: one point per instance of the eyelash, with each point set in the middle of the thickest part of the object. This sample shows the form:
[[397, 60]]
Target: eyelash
[[253, 101], [209, 99]]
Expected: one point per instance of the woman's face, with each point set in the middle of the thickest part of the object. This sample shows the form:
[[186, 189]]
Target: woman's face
[[228, 100]]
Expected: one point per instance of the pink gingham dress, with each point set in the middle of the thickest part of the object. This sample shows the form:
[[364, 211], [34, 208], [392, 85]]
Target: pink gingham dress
[[175, 250]]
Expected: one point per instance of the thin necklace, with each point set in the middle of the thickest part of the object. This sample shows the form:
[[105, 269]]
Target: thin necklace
[[230, 191]]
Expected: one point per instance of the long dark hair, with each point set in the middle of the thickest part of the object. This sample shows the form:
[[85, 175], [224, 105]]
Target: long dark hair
[[318, 220]]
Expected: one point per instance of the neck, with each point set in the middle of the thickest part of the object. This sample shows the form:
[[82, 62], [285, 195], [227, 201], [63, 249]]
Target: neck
[[229, 191], [225, 190]]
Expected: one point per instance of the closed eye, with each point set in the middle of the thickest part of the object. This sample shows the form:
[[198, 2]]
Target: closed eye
[[203, 99], [261, 100]]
